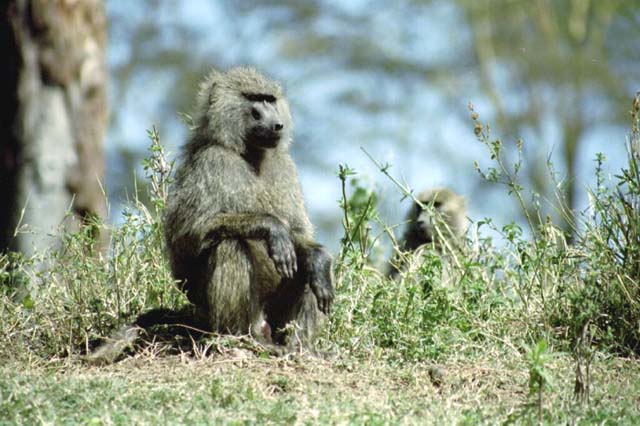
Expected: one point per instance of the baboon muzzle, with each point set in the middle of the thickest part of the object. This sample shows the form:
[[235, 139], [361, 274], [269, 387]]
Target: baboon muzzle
[[264, 137]]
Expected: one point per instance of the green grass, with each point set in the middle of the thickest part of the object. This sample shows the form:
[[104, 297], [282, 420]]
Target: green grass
[[238, 387], [524, 328]]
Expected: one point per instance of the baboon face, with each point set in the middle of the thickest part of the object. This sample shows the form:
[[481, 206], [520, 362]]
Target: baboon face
[[265, 121], [445, 212], [244, 110]]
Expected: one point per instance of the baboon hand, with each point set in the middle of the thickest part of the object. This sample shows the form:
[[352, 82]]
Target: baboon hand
[[282, 252], [320, 279]]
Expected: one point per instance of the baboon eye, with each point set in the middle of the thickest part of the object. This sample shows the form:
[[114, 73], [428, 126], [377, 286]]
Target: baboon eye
[[255, 113], [437, 204]]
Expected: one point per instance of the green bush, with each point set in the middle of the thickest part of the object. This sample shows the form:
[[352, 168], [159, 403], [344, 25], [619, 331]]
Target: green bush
[[58, 302], [542, 284], [484, 294], [606, 299]]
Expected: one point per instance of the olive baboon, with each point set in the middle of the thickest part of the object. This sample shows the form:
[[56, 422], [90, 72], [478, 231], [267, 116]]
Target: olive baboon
[[236, 228], [443, 220], [237, 232]]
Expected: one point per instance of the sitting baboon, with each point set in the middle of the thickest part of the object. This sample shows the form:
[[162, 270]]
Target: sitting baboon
[[237, 232], [236, 228], [442, 221]]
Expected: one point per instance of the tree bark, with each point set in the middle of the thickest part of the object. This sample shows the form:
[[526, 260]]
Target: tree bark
[[53, 120]]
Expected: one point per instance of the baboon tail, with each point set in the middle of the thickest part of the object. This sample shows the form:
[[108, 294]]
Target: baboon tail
[[114, 346], [108, 352]]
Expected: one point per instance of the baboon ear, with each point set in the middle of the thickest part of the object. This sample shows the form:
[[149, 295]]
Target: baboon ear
[[211, 90], [213, 79]]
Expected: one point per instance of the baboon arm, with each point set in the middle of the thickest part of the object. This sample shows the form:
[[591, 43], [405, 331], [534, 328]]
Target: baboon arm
[[242, 225], [256, 226], [316, 265]]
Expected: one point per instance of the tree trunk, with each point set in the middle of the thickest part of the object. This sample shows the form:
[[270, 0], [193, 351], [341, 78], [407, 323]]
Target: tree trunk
[[53, 119]]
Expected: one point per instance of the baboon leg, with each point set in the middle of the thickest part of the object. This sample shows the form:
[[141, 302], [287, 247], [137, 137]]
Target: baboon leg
[[196, 273], [293, 304], [308, 319], [233, 308]]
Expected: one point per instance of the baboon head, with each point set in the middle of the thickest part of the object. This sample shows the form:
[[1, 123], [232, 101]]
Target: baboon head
[[444, 216], [244, 110]]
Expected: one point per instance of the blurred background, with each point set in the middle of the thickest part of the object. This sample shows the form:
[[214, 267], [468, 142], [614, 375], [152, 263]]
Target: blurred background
[[394, 78]]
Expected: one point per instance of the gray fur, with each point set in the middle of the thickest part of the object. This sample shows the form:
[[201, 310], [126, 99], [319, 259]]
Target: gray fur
[[237, 232], [444, 220]]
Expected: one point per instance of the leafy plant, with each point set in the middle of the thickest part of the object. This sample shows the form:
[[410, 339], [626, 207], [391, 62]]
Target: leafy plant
[[76, 294], [538, 357], [359, 211]]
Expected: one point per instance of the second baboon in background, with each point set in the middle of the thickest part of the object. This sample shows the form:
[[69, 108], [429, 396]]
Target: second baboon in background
[[442, 221]]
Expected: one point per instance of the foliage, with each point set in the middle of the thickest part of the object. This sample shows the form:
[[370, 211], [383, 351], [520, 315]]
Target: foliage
[[359, 210], [538, 359], [475, 309], [58, 302], [594, 280], [557, 72], [533, 285]]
